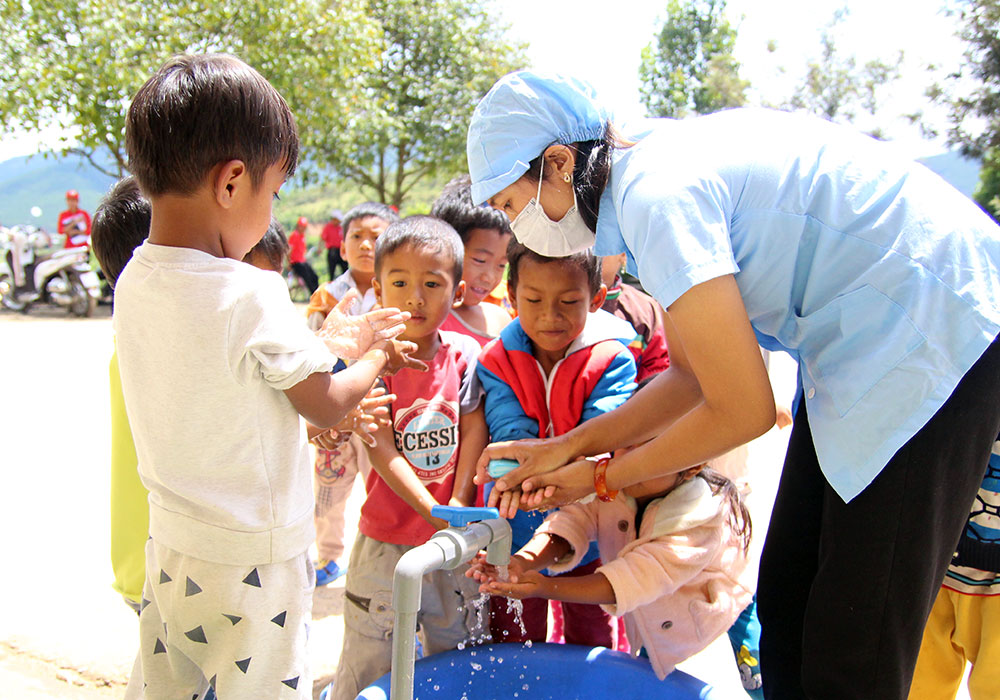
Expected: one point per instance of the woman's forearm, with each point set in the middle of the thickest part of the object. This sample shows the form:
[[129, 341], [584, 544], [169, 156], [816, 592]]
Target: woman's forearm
[[698, 436], [672, 394]]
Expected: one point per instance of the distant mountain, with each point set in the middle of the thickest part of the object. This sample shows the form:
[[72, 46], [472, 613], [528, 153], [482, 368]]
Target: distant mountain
[[41, 181], [961, 172]]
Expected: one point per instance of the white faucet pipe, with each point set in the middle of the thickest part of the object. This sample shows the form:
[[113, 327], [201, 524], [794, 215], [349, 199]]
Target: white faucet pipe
[[446, 549]]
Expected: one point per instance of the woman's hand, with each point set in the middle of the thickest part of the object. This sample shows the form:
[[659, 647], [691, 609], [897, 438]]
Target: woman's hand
[[349, 337], [534, 456], [560, 487]]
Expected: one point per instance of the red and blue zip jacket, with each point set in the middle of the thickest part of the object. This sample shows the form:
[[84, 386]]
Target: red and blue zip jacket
[[595, 376]]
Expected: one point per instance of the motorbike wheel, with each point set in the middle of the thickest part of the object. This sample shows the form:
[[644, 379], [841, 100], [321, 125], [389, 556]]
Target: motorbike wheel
[[83, 304], [297, 289], [7, 297]]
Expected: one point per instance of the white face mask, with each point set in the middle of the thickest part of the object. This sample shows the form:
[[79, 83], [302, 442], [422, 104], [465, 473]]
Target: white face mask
[[553, 239]]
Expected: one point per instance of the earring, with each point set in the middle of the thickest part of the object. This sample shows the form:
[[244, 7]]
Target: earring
[[567, 178]]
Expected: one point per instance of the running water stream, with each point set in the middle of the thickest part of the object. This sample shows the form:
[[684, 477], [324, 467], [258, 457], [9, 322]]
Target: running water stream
[[514, 606]]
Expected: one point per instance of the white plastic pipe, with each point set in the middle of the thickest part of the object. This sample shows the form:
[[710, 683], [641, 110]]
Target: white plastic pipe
[[446, 549]]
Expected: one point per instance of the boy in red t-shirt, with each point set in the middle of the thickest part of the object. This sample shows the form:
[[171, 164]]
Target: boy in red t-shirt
[[438, 433]]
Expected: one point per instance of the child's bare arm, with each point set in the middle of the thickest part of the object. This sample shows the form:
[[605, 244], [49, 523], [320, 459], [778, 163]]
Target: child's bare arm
[[324, 399], [543, 550], [362, 420], [474, 437], [399, 475], [593, 589]]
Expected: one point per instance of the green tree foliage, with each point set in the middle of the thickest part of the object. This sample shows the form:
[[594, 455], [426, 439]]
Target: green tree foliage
[[406, 117], [75, 64], [973, 91], [835, 86], [972, 95], [987, 193], [689, 66]]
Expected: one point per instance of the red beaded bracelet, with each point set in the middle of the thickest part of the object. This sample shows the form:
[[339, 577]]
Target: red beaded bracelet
[[600, 481]]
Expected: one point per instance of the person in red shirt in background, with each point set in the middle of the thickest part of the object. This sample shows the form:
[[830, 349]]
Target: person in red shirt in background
[[297, 255], [74, 223], [333, 236]]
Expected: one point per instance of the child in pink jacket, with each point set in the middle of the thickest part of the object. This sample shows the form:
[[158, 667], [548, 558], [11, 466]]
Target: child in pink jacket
[[674, 552]]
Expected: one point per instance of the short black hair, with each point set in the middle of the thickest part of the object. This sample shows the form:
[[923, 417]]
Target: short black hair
[[366, 209], [455, 206], [273, 246], [424, 232], [586, 261], [197, 111], [121, 224]]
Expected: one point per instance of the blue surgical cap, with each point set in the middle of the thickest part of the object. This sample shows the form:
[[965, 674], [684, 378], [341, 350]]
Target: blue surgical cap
[[522, 115]]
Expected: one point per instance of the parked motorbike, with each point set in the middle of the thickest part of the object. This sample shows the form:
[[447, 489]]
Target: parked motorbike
[[46, 274]]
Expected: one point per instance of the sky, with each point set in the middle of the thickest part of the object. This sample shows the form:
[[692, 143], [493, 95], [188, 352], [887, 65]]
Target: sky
[[601, 42]]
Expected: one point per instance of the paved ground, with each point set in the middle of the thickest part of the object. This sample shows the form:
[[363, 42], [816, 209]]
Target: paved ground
[[63, 632]]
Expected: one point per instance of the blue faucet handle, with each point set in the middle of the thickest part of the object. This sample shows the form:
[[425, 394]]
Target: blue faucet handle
[[499, 467], [458, 516]]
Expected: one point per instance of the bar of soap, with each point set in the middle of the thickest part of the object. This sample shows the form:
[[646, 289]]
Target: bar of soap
[[499, 467]]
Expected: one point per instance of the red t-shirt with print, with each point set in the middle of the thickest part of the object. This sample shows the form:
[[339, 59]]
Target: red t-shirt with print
[[425, 418]]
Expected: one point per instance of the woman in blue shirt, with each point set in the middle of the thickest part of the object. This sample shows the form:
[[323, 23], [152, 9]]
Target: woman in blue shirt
[[760, 227]]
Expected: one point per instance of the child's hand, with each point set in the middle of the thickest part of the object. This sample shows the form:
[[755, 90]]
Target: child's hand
[[365, 418], [530, 584], [484, 572], [398, 357], [330, 439], [480, 570], [350, 337]]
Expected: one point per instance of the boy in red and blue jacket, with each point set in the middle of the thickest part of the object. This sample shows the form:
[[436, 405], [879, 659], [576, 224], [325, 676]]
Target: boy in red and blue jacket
[[560, 362]]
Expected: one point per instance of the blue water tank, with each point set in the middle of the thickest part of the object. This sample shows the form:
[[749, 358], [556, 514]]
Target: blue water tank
[[542, 672]]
